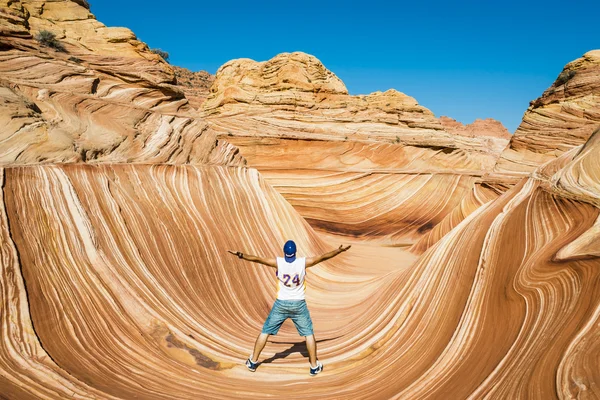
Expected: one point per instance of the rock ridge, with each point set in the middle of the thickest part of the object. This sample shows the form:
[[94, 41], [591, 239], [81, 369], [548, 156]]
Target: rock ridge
[[562, 118], [293, 96], [103, 96]]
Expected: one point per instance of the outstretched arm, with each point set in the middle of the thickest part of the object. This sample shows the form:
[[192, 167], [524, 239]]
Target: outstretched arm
[[315, 260], [270, 262]]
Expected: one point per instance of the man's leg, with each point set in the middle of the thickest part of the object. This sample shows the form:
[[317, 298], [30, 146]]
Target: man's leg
[[261, 341], [304, 325], [271, 327], [311, 346]]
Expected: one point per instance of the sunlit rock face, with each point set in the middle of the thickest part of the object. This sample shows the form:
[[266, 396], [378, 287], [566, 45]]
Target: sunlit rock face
[[479, 127], [108, 297], [576, 175], [562, 118], [360, 166], [294, 97], [115, 281], [105, 98], [115, 264]]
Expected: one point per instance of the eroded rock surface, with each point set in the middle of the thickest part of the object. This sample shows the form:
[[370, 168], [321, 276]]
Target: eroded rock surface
[[105, 98], [293, 97], [115, 281], [291, 117], [480, 127], [195, 85], [562, 118]]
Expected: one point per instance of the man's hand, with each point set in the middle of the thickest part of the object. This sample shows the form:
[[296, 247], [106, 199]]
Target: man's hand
[[239, 254], [343, 248]]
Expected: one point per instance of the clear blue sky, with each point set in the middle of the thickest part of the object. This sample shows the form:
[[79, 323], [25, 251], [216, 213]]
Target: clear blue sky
[[466, 60]]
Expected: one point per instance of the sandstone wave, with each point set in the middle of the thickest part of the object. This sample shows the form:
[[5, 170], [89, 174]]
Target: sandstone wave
[[130, 292], [475, 263]]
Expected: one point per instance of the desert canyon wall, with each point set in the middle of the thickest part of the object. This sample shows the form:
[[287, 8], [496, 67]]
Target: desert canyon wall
[[475, 266]]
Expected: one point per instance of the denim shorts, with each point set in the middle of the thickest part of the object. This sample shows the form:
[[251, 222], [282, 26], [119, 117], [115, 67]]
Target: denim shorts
[[284, 309]]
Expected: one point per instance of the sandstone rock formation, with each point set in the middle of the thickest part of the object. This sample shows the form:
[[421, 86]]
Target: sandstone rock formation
[[106, 98], [479, 127], [115, 281], [575, 175], [562, 118], [293, 97], [122, 300], [290, 116], [195, 85]]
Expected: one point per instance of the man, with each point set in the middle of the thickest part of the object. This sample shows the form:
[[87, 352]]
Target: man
[[290, 302]]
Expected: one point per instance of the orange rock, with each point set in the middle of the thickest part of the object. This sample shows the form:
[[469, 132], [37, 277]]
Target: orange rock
[[115, 281], [291, 117], [479, 127], [562, 118], [293, 96], [195, 85], [107, 98]]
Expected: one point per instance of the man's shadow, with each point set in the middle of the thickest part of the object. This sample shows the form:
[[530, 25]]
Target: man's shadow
[[297, 347]]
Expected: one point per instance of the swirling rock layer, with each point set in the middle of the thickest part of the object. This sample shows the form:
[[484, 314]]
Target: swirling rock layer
[[105, 98], [115, 282], [130, 292], [576, 175], [393, 209]]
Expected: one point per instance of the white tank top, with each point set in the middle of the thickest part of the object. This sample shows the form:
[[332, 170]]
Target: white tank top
[[291, 278]]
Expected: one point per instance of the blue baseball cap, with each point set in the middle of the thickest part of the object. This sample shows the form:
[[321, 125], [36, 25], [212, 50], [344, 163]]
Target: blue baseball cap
[[289, 250]]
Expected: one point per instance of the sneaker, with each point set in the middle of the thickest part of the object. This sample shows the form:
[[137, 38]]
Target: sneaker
[[314, 371], [251, 365]]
